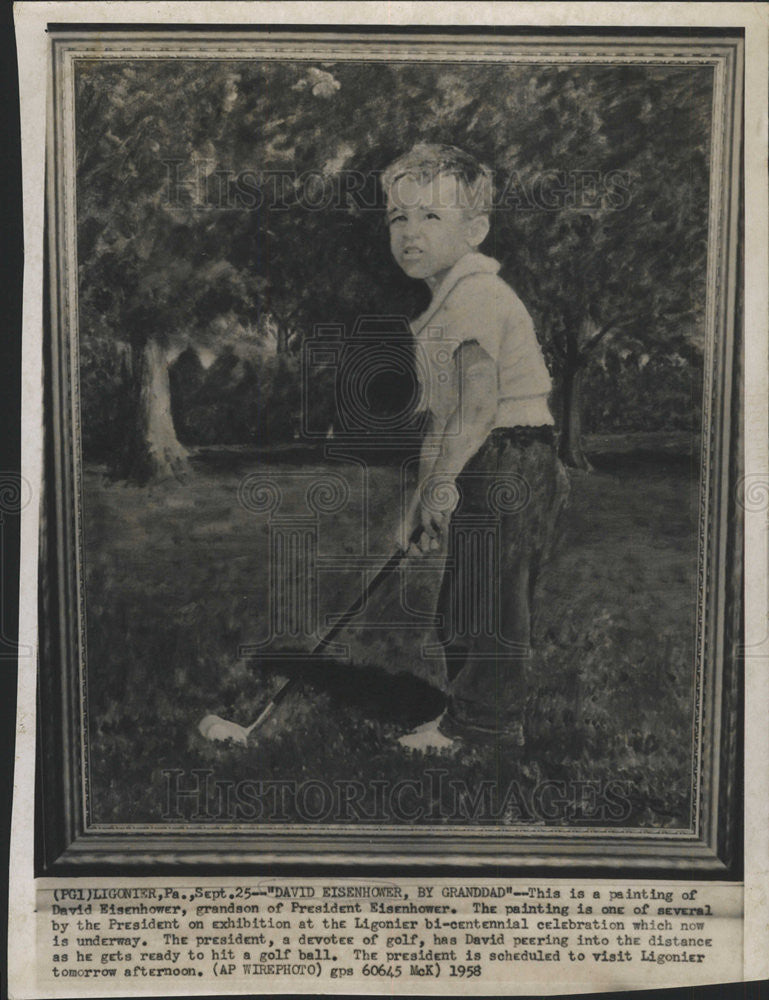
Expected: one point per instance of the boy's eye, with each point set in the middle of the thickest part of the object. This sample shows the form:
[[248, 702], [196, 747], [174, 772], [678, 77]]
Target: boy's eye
[[432, 215], [397, 218]]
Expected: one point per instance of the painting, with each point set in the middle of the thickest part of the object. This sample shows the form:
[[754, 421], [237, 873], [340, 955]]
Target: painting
[[239, 653]]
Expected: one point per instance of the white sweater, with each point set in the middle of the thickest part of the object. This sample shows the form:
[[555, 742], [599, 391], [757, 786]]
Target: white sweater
[[474, 303]]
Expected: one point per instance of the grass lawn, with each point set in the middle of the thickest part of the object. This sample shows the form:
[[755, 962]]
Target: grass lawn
[[177, 578]]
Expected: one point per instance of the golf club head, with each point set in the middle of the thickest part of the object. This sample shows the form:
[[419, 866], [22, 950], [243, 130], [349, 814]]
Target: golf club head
[[213, 727]]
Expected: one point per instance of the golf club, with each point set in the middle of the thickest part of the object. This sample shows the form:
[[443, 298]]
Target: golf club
[[214, 727]]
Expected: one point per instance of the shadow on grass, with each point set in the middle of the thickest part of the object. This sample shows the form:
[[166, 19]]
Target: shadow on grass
[[401, 699]]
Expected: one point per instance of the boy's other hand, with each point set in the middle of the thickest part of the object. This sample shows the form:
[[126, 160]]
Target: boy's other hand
[[426, 522], [434, 525]]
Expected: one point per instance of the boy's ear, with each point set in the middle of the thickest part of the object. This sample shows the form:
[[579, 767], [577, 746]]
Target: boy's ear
[[477, 230]]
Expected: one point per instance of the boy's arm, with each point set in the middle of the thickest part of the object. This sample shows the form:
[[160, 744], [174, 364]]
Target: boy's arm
[[464, 433], [431, 442]]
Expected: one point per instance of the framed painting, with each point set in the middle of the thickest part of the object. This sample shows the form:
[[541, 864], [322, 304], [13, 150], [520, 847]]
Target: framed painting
[[242, 661]]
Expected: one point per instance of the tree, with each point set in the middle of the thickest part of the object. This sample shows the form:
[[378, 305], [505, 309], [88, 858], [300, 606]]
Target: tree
[[170, 244], [619, 262], [603, 182], [152, 274], [213, 196]]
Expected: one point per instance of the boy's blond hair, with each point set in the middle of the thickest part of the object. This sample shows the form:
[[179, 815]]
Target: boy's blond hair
[[426, 161]]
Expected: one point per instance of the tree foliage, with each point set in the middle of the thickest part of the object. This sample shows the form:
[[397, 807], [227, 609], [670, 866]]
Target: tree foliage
[[219, 199]]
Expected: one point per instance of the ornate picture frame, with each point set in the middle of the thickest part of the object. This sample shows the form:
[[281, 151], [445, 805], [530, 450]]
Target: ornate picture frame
[[71, 837]]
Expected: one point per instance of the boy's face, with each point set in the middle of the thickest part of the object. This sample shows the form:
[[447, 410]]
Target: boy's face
[[430, 228]]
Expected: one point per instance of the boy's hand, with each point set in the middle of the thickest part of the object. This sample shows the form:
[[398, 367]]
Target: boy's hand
[[433, 528], [438, 499]]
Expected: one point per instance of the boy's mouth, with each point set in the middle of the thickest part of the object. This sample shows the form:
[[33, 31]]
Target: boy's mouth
[[412, 252]]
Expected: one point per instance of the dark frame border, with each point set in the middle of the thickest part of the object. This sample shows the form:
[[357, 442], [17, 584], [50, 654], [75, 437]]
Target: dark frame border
[[67, 845]]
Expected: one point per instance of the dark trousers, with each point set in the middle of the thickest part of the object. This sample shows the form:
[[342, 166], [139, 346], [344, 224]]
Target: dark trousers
[[511, 492]]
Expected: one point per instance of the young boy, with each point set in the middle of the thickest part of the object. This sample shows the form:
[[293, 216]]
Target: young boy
[[490, 484]]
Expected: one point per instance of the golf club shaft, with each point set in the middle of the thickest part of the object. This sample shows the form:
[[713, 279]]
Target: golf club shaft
[[360, 602]]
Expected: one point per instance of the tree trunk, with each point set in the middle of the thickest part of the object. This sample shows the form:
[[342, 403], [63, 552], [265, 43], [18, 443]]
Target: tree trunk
[[284, 333], [157, 453], [571, 452]]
